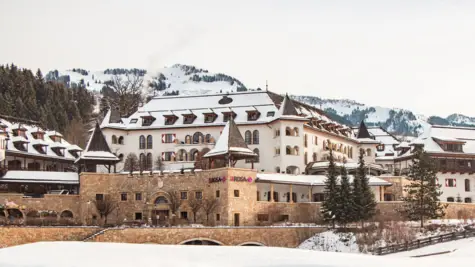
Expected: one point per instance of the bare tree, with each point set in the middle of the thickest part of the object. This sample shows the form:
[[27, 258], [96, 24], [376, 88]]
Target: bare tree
[[195, 206], [175, 201], [131, 163], [76, 133], [105, 207], [159, 164], [127, 93], [209, 206]]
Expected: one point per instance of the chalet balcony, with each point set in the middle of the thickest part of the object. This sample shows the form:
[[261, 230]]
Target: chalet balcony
[[456, 169]]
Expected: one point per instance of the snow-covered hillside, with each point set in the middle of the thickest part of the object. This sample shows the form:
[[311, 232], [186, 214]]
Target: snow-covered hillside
[[187, 80], [191, 80]]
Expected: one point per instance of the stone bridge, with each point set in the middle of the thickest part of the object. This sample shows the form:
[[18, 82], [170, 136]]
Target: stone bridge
[[232, 236]]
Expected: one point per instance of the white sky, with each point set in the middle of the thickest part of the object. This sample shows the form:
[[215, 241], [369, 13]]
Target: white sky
[[418, 55]]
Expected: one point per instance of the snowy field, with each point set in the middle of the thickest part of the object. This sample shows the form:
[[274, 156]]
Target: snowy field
[[76, 254], [458, 249]]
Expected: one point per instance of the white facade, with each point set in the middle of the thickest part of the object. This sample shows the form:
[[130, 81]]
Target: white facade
[[281, 138]]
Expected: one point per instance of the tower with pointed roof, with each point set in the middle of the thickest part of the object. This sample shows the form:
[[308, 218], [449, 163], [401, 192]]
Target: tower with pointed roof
[[363, 131], [97, 152], [231, 146]]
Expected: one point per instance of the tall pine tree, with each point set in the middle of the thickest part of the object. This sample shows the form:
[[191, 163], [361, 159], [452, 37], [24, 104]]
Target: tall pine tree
[[345, 212], [422, 200], [363, 196], [330, 200]]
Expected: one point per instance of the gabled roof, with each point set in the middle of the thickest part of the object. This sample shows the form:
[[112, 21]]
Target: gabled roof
[[288, 108], [231, 143], [97, 148], [363, 131]]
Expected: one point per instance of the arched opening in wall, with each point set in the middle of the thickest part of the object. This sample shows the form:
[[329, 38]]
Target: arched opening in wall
[[368, 152], [254, 244], [33, 218], [114, 139], [247, 137], [292, 170], [67, 214], [208, 138], [198, 138], [255, 137], [296, 150], [15, 216], [34, 166], [182, 155], [161, 200], [142, 142], [48, 217], [256, 160], [193, 154], [121, 140], [142, 161], [188, 139], [149, 142], [288, 150], [468, 200], [288, 131], [202, 241], [3, 216], [296, 131]]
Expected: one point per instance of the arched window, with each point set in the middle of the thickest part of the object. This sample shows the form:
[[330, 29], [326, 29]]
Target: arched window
[[149, 161], [450, 199], [368, 152], [208, 138], [161, 200], [247, 137], [296, 150], [66, 214], [142, 142], [305, 158], [142, 161], [257, 152], [255, 137], [149, 142], [467, 185], [193, 154], [114, 139], [314, 156], [288, 150], [188, 139], [344, 151], [468, 200], [198, 138], [288, 131], [296, 131], [305, 140], [121, 140], [182, 155], [277, 169]]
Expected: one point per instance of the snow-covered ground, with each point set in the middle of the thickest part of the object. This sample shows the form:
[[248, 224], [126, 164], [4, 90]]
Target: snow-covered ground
[[90, 254], [459, 248]]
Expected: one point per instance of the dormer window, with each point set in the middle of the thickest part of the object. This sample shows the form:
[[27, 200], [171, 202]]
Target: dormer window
[[74, 153], [40, 148], [270, 113], [133, 121], [147, 120], [453, 147], [253, 115], [227, 115], [170, 119], [380, 147], [19, 132], [55, 138], [58, 151], [189, 118], [21, 146], [210, 117]]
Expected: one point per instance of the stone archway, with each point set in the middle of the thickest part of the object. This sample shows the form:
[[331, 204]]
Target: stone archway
[[201, 241], [253, 244]]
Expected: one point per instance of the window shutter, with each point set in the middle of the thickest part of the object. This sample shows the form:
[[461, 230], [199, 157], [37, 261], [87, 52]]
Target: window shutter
[[163, 155], [446, 182], [455, 182], [173, 138], [163, 138]]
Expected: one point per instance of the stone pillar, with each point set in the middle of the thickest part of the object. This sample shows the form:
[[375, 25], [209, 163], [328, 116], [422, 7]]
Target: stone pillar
[[291, 200], [381, 193], [271, 192], [310, 194]]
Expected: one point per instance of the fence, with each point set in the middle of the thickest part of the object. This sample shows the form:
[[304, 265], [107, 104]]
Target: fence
[[423, 242]]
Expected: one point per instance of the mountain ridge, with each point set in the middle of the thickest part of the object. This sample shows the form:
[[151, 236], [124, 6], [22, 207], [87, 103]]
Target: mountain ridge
[[190, 80]]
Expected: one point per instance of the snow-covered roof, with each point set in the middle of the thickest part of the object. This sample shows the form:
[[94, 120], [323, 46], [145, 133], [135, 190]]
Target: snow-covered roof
[[231, 143], [317, 180], [435, 134], [40, 177], [383, 137], [30, 141], [348, 165]]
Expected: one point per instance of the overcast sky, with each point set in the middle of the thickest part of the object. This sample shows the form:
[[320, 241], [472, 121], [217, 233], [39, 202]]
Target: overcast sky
[[418, 55]]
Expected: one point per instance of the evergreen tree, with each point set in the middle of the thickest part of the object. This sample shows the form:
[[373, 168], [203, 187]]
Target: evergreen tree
[[330, 200], [345, 201], [20, 109], [422, 200], [363, 197]]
